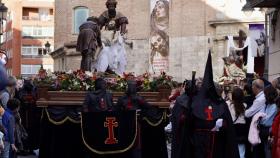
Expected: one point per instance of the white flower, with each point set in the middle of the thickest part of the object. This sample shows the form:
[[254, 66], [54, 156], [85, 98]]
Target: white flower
[[53, 76], [69, 72], [89, 74]]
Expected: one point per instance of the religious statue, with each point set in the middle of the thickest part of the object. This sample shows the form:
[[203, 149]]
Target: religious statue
[[261, 44], [113, 24], [232, 69], [89, 40]]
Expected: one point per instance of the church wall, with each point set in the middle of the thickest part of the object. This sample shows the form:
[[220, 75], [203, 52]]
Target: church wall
[[274, 53], [191, 35]]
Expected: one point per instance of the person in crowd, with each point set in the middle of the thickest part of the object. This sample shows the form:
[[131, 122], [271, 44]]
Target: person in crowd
[[275, 132], [11, 88], [248, 100], [8, 122], [248, 95], [8, 92], [20, 132], [259, 102], [276, 84], [257, 106], [276, 123], [237, 111], [2, 130], [176, 92], [270, 110]]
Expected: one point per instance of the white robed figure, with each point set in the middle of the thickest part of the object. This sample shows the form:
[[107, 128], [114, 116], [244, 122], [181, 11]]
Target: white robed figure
[[113, 54], [113, 25]]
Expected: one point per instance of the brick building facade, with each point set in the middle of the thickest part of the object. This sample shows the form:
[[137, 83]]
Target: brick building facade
[[195, 27], [29, 25]]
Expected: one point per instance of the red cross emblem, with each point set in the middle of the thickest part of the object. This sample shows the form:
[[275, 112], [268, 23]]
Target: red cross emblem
[[209, 111], [111, 124]]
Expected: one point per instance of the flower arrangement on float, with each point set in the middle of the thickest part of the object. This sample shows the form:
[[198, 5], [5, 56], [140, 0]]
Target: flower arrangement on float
[[84, 81]]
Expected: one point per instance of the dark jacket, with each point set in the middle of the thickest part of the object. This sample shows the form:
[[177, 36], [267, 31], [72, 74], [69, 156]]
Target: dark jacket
[[8, 122]]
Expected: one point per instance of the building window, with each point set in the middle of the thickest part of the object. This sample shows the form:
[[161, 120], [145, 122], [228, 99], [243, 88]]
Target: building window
[[9, 16], [44, 14], [10, 53], [30, 50], [7, 36], [9, 71], [30, 69], [36, 31], [27, 31], [80, 16]]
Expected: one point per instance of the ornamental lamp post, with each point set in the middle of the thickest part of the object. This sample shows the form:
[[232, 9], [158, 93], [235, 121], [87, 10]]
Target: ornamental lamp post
[[44, 50], [48, 46]]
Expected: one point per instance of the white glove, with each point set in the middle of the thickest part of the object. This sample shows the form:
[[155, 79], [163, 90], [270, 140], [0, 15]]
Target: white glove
[[219, 124]]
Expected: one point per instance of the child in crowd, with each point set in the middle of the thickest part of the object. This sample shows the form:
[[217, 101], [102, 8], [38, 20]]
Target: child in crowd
[[8, 121]]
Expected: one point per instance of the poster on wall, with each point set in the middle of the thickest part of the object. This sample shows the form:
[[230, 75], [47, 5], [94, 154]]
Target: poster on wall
[[258, 39], [159, 36], [258, 42]]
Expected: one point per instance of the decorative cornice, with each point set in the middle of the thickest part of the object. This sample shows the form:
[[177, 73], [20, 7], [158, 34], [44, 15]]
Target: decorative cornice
[[215, 23]]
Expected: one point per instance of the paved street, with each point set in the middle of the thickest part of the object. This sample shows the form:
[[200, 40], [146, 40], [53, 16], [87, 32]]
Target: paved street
[[168, 148], [27, 156]]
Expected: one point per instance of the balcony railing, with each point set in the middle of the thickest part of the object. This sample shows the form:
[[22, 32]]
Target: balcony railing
[[38, 18]]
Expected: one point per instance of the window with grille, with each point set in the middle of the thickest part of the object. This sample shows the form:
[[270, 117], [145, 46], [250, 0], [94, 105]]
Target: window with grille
[[30, 50], [80, 16], [30, 69], [36, 31]]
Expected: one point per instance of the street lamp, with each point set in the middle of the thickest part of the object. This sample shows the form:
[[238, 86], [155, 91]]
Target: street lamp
[[47, 47], [3, 15], [44, 51]]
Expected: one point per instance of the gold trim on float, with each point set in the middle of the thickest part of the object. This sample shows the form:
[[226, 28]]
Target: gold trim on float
[[62, 121], [109, 152], [158, 123]]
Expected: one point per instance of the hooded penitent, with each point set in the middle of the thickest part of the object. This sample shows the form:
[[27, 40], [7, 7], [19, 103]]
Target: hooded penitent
[[130, 101], [100, 99], [201, 138]]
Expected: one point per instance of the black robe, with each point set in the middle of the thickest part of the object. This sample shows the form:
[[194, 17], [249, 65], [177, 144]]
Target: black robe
[[61, 134], [30, 115], [208, 144], [195, 135], [152, 122], [181, 119]]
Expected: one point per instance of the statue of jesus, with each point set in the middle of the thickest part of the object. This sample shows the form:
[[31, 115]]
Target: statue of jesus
[[113, 27]]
